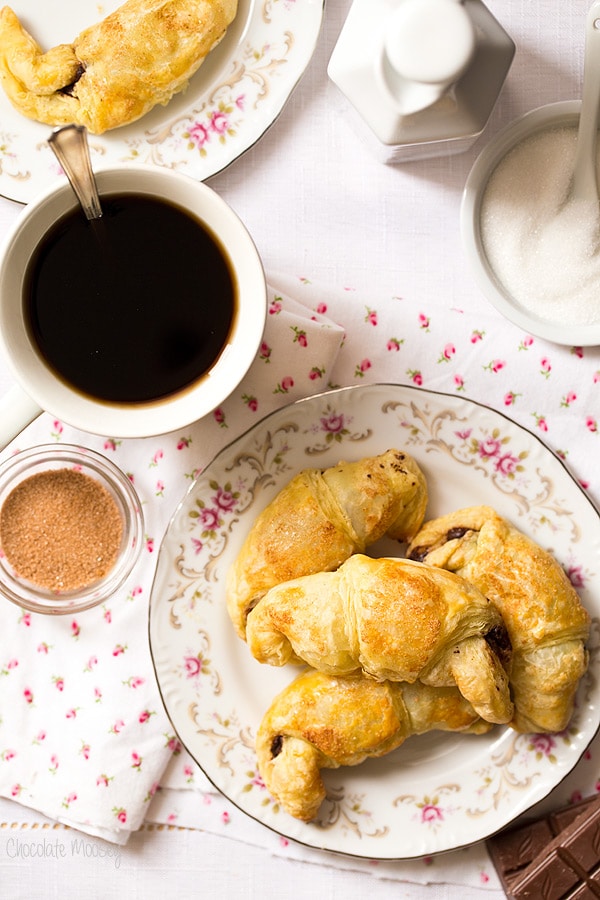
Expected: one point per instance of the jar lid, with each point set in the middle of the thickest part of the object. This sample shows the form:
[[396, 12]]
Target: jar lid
[[430, 41]]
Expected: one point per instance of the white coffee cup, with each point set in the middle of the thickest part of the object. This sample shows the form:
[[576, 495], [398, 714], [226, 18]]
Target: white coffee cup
[[39, 388]]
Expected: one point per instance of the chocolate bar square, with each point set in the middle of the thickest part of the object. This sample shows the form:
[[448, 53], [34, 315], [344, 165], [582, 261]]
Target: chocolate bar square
[[551, 858]]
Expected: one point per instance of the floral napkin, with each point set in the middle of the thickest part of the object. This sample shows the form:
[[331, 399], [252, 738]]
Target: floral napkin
[[83, 735], [553, 391], [119, 762]]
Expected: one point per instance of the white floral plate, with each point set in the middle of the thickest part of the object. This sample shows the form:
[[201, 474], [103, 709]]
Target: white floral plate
[[437, 791], [237, 93]]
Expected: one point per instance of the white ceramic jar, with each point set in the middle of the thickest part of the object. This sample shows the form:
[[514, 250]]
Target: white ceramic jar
[[422, 75]]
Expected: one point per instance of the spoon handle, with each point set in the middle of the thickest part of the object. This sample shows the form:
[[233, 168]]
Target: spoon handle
[[70, 147], [585, 181]]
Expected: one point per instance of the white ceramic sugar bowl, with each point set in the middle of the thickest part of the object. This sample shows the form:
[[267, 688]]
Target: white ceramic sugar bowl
[[422, 75]]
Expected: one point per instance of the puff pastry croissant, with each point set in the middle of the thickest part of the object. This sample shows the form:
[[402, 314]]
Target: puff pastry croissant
[[546, 622], [320, 518], [115, 71], [393, 619], [321, 721]]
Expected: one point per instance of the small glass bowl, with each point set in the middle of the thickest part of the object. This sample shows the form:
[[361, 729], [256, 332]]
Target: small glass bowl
[[44, 458]]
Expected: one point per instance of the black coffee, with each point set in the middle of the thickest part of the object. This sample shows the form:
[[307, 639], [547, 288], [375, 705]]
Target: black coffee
[[133, 306]]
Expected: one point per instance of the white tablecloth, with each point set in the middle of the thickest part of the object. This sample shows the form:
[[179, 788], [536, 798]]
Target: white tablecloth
[[385, 242]]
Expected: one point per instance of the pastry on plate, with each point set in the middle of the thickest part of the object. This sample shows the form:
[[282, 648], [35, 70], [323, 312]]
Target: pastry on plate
[[322, 721], [320, 518], [393, 620], [546, 621], [115, 71]]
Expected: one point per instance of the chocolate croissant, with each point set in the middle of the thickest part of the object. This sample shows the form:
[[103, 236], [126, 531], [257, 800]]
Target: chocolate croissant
[[320, 518], [394, 620], [546, 622], [115, 71], [321, 721]]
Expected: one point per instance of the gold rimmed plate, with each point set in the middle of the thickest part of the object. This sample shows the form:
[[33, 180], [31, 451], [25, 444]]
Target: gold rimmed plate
[[233, 98], [438, 791]]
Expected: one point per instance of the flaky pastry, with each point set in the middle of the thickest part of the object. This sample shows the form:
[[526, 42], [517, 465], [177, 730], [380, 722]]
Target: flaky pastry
[[394, 620], [115, 71], [322, 721], [546, 622], [320, 518]]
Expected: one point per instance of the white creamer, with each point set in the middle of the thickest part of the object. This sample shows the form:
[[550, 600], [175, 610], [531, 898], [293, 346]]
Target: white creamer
[[422, 75]]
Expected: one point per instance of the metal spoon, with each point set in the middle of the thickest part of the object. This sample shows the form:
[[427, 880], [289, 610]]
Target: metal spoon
[[70, 147], [584, 185]]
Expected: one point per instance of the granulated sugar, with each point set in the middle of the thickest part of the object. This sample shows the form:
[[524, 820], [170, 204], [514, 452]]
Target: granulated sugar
[[60, 529], [544, 250]]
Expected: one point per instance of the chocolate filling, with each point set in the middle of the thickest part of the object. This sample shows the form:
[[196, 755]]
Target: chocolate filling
[[276, 745], [68, 88], [419, 554], [499, 643]]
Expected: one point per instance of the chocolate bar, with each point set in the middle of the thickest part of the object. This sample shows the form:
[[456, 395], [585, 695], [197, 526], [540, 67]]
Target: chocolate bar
[[551, 858]]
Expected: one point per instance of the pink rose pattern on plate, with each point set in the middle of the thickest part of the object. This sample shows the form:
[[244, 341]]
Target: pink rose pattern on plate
[[228, 108], [430, 426]]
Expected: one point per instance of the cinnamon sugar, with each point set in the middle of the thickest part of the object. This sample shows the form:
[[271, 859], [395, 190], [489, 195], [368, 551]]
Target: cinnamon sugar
[[60, 529]]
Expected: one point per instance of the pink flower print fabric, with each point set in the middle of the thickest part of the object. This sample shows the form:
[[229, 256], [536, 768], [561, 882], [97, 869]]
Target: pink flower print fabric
[[83, 735], [84, 738], [295, 360], [551, 390]]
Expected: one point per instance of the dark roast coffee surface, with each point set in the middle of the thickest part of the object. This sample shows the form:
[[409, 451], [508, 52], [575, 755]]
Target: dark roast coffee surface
[[134, 306]]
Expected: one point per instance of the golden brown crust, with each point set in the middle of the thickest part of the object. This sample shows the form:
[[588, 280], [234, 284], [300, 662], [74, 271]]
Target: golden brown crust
[[320, 518], [321, 721], [391, 618], [275, 549], [547, 624], [115, 71]]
